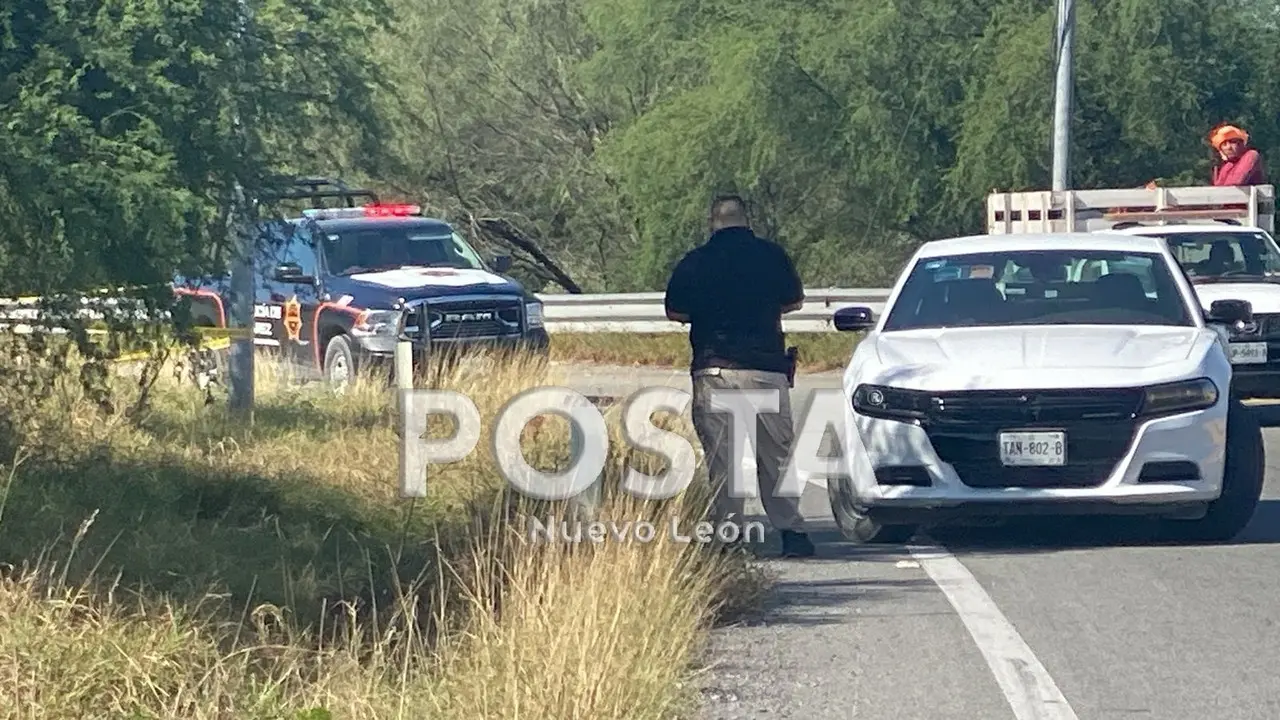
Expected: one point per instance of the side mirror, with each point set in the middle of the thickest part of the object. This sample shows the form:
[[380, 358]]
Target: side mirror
[[501, 263], [292, 273], [1230, 312], [853, 319]]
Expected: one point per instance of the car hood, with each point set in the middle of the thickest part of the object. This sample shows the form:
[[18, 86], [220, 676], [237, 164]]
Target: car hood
[[1043, 356], [1265, 297], [413, 283]]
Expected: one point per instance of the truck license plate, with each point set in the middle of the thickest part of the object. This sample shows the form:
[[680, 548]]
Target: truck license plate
[[1248, 353], [1033, 448]]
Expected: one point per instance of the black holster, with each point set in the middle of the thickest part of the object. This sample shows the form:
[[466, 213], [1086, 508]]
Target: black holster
[[792, 353]]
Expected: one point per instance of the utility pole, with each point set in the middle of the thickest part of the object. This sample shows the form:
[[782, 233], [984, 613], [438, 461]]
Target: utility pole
[[240, 319], [1063, 81]]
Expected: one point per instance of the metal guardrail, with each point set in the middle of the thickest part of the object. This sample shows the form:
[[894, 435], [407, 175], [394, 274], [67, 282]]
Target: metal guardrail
[[572, 313], [644, 312]]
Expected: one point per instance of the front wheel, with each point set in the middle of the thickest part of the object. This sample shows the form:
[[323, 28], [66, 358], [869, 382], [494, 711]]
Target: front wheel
[[1243, 476], [339, 364], [855, 525]]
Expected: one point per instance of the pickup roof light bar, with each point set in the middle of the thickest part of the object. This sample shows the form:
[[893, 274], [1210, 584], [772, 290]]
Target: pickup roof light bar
[[372, 210]]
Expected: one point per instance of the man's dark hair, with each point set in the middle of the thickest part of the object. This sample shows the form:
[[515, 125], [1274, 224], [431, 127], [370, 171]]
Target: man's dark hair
[[728, 210]]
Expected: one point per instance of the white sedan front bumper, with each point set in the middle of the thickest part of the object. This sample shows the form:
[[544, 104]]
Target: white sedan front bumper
[[896, 465]]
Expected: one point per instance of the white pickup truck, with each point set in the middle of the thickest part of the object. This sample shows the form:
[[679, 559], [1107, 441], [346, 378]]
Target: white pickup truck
[[1221, 237]]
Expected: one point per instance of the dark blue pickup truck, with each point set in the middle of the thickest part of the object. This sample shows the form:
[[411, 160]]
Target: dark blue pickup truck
[[333, 286]]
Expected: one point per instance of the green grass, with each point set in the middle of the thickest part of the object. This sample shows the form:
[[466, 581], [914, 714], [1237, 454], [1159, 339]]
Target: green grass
[[179, 564], [817, 351]]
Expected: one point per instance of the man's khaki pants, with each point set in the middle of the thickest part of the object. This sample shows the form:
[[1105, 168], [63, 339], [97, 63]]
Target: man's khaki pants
[[774, 436]]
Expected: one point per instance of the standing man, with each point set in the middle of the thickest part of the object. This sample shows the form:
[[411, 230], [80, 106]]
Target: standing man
[[732, 291]]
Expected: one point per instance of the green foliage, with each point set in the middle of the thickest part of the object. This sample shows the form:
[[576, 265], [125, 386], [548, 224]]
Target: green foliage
[[598, 129], [119, 125]]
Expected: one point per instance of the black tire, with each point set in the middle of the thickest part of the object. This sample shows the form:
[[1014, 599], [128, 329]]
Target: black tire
[[1242, 479], [339, 363], [854, 524]]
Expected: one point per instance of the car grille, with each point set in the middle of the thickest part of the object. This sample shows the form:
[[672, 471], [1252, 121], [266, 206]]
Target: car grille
[[1268, 325], [1100, 425], [1268, 330], [466, 319]]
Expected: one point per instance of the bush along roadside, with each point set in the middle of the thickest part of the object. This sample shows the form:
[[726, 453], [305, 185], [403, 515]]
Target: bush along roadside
[[172, 563]]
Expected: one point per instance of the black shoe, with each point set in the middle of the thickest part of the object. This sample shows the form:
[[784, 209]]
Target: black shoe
[[796, 544]]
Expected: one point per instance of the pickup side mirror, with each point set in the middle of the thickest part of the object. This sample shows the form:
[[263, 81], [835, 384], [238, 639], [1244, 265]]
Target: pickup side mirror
[[853, 319], [1230, 312], [501, 263], [292, 273]]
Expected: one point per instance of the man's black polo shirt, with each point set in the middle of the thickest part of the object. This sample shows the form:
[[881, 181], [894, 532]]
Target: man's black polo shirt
[[733, 288]]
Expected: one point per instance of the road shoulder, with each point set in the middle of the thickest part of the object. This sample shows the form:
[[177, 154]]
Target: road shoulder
[[854, 632]]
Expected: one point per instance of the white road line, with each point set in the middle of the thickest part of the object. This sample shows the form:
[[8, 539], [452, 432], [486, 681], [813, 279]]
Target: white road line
[[1026, 684]]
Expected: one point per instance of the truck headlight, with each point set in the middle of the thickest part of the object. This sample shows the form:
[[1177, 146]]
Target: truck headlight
[[1179, 397], [533, 314], [379, 323], [889, 403]]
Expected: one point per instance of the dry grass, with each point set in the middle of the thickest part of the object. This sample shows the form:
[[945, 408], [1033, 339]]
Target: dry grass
[[818, 352], [177, 564]]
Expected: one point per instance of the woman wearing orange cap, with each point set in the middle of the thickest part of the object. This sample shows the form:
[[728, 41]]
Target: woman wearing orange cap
[[1236, 164]]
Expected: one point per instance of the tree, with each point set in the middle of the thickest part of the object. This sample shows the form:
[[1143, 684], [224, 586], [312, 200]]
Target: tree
[[120, 126], [126, 125]]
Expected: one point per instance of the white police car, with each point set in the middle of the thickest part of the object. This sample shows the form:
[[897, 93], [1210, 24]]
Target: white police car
[[1238, 262], [1000, 381]]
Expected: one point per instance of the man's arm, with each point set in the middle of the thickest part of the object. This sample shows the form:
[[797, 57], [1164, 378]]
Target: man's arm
[[792, 286], [679, 299]]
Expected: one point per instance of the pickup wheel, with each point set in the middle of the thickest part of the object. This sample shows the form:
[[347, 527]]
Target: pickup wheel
[[1243, 476], [854, 524], [339, 363]]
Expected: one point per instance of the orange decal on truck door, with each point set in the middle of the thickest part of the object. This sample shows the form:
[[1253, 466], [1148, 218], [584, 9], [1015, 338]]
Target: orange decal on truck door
[[293, 317]]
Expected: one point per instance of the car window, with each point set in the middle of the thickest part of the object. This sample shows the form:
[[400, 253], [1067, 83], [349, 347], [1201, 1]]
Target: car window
[[381, 248], [1212, 254], [1049, 287], [280, 243]]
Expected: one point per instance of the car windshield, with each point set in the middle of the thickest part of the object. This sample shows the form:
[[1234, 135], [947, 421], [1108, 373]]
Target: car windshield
[[1210, 256], [1041, 287], [386, 248]]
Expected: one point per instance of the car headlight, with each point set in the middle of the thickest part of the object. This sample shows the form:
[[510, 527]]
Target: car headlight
[[383, 323], [1179, 397], [533, 314], [889, 403]]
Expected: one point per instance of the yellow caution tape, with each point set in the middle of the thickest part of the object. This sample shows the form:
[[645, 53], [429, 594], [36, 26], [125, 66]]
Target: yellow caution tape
[[243, 333], [142, 354]]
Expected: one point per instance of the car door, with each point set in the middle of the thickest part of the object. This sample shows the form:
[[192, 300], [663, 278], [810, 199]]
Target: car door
[[293, 293]]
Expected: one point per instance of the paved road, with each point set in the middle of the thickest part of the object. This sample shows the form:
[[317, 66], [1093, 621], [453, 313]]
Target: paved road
[[1043, 621]]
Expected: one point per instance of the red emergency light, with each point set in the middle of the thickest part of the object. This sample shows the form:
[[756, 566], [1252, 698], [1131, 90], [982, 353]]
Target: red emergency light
[[392, 210]]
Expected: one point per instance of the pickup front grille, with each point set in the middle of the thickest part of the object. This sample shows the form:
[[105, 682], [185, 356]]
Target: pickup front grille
[[1267, 329], [1268, 325], [964, 428], [468, 319]]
